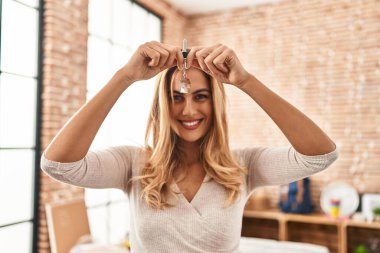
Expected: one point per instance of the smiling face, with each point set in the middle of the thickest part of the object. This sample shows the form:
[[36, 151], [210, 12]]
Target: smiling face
[[191, 114]]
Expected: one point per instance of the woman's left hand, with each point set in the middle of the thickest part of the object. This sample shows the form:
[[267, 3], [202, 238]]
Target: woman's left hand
[[219, 61]]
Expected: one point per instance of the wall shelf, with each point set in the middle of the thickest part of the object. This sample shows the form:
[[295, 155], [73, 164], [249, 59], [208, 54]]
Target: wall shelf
[[340, 236]]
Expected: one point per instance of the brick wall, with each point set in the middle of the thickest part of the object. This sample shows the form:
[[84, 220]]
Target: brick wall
[[322, 57], [64, 88]]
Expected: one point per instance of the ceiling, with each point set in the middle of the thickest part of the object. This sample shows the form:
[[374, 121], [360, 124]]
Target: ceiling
[[190, 7]]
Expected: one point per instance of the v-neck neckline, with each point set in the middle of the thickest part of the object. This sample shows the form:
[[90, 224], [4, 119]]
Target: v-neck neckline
[[182, 196]]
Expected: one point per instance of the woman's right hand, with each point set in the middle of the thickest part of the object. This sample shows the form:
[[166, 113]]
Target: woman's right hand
[[150, 59]]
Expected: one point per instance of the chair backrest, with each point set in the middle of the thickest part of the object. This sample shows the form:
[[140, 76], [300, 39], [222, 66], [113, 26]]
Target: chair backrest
[[67, 221]]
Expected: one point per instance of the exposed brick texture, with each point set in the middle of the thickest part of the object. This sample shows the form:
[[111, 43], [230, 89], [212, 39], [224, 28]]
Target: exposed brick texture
[[321, 56], [64, 88]]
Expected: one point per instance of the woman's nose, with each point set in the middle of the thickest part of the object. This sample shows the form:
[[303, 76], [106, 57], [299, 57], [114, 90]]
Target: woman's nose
[[189, 108]]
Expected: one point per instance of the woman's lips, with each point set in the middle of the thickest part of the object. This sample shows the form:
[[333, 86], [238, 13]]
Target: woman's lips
[[190, 124]]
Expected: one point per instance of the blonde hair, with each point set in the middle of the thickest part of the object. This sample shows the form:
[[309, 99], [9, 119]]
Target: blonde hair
[[164, 156]]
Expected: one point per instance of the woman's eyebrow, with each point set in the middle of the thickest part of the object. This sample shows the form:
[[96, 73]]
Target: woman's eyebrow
[[195, 92], [201, 90]]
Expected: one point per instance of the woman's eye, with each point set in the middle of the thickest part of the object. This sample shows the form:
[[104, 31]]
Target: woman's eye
[[177, 98], [201, 97]]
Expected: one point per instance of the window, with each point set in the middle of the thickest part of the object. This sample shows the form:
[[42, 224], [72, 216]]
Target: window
[[116, 29], [19, 135]]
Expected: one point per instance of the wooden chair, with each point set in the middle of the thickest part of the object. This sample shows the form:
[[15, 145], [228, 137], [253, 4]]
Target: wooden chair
[[67, 221]]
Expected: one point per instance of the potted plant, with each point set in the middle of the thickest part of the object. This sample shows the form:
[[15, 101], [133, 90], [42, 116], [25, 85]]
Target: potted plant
[[376, 213], [361, 249]]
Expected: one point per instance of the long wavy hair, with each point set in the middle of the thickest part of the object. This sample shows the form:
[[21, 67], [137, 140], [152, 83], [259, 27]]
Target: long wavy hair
[[164, 154]]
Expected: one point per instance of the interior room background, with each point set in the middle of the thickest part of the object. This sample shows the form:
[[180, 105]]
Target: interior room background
[[322, 56]]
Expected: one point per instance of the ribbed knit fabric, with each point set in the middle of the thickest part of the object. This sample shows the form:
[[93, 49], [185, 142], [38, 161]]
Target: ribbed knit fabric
[[202, 225]]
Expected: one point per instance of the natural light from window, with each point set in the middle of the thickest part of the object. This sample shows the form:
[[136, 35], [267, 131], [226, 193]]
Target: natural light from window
[[116, 29]]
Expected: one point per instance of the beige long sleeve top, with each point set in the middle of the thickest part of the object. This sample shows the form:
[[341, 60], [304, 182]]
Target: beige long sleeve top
[[202, 225]]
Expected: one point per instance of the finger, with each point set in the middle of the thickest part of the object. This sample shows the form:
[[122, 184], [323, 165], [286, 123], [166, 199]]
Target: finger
[[179, 58], [164, 54], [201, 55], [195, 64], [175, 56], [191, 56], [220, 61], [209, 61], [174, 53], [152, 55], [172, 61]]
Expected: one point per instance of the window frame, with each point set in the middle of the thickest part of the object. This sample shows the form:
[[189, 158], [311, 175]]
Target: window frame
[[37, 133], [108, 202]]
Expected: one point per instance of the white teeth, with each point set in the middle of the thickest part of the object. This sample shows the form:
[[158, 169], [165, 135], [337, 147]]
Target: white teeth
[[190, 123]]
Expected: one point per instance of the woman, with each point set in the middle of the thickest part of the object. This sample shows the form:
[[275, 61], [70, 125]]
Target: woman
[[187, 190]]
